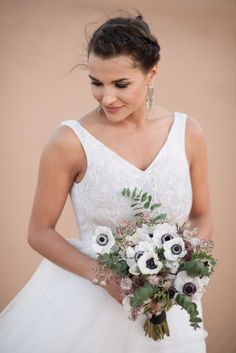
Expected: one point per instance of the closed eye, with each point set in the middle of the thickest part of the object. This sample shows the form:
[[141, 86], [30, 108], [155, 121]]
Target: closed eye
[[95, 83], [118, 85]]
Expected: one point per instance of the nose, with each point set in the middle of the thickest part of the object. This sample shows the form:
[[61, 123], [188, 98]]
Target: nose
[[108, 97]]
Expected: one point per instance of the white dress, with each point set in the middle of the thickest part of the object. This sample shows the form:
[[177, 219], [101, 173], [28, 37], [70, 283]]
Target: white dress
[[59, 312]]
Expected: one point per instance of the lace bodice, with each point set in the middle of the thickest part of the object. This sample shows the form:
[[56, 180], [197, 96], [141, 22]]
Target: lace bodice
[[97, 199]]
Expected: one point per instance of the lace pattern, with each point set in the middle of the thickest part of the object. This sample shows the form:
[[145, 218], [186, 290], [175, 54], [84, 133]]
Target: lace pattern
[[97, 199]]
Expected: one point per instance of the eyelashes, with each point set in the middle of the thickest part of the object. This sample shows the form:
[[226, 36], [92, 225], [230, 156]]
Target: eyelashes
[[118, 85]]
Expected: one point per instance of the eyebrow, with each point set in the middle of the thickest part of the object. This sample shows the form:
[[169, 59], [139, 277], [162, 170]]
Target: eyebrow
[[115, 81]]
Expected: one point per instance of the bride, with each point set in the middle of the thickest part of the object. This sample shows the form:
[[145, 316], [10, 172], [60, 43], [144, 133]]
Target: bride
[[129, 140]]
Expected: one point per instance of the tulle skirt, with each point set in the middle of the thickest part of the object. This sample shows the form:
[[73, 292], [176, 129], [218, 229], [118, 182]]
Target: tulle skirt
[[60, 312]]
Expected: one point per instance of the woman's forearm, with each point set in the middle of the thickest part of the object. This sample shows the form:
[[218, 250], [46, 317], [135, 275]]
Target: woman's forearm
[[204, 224], [55, 248]]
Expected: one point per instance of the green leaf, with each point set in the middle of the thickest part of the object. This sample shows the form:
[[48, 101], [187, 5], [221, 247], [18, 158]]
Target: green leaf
[[203, 256], [141, 294], [155, 205], [146, 205], [135, 204], [194, 268], [134, 192], [123, 192], [160, 217], [116, 263], [128, 192], [186, 303], [144, 197]]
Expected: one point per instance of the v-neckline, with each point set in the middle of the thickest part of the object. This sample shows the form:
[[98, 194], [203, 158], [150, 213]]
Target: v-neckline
[[125, 160]]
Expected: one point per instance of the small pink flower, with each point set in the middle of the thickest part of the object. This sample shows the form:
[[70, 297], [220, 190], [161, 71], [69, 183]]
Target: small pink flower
[[154, 280], [126, 283]]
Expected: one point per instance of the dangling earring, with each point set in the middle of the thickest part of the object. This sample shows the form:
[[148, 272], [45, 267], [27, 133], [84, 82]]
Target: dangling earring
[[149, 99]]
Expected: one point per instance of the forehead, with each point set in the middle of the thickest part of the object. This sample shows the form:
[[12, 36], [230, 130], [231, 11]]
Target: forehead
[[112, 68]]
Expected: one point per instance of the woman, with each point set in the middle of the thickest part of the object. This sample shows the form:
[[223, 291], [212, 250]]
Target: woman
[[127, 141]]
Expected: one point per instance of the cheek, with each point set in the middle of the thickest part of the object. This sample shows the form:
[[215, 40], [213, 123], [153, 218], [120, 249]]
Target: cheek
[[136, 94], [97, 93]]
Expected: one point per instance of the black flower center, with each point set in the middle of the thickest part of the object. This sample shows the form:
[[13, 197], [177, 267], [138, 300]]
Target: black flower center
[[137, 255], [172, 292], [166, 237], [176, 249], [150, 235], [189, 288], [102, 239], [150, 263]]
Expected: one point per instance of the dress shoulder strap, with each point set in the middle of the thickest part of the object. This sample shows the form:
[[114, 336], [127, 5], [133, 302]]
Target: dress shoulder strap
[[77, 129], [84, 138], [180, 127]]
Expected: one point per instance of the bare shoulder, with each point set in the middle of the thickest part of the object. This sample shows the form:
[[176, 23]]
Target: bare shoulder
[[193, 127], [63, 147], [195, 140]]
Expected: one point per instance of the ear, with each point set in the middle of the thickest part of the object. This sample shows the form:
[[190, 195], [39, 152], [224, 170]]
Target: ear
[[152, 74]]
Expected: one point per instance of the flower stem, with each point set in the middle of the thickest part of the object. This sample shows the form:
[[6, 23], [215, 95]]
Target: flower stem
[[157, 327]]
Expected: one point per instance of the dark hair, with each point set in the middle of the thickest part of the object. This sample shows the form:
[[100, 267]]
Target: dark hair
[[126, 36]]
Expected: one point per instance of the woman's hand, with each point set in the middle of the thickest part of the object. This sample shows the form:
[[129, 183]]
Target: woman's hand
[[108, 280], [114, 289]]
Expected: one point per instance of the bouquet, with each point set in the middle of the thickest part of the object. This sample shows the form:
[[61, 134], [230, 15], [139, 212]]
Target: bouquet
[[160, 264]]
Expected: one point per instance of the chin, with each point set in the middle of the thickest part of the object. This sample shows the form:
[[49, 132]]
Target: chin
[[115, 118]]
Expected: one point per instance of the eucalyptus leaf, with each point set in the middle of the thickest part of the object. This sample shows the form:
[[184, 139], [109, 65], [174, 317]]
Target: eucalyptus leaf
[[186, 303], [141, 294], [194, 268]]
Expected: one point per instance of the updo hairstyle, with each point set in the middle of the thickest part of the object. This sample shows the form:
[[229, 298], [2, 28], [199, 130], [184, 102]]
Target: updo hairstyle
[[126, 36]]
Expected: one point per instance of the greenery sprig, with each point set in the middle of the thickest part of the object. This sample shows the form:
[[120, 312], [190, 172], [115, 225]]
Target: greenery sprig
[[114, 262], [143, 202], [194, 268], [141, 294], [186, 302], [207, 259]]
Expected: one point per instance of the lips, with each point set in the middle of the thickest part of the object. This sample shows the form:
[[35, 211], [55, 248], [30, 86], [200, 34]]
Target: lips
[[113, 109]]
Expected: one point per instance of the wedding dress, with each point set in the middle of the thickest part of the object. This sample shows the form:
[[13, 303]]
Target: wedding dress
[[60, 312]]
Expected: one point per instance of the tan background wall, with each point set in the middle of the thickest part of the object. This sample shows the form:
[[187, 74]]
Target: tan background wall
[[40, 42]]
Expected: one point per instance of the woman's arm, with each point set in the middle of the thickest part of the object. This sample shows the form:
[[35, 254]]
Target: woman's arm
[[196, 150], [61, 160]]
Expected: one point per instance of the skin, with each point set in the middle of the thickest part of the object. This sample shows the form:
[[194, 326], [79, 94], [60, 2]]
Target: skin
[[131, 136]]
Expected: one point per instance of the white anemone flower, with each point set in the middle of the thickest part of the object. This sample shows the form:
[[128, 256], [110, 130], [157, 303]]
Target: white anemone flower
[[144, 233], [133, 253], [149, 263], [191, 286], [102, 240], [174, 249], [163, 233]]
